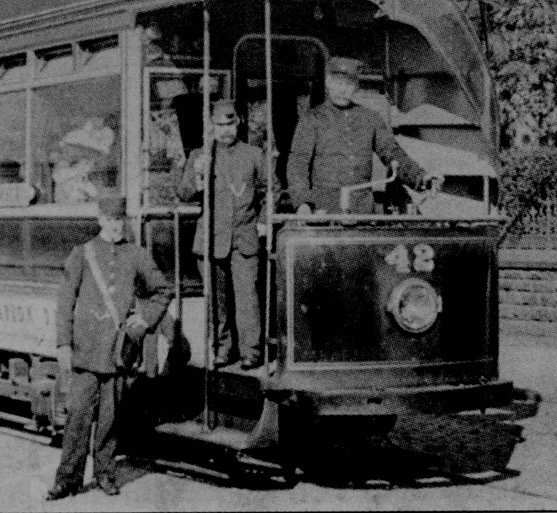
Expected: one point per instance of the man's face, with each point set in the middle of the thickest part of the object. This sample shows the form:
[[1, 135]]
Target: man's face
[[341, 89], [225, 132], [112, 228]]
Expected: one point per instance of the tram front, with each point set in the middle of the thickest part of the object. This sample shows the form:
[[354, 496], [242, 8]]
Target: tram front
[[394, 315]]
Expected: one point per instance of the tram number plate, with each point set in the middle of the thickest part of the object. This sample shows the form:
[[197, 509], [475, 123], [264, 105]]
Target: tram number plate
[[421, 258]]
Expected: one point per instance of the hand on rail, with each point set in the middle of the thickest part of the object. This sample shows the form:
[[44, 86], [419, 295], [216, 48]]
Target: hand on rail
[[261, 229], [305, 210], [136, 327], [200, 164], [432, 182]]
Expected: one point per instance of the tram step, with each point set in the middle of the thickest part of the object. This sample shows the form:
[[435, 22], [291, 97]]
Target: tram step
[[189, 467], [193, 430], [236, 368]]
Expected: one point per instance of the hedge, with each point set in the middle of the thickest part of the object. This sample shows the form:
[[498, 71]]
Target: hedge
[[529, 190]]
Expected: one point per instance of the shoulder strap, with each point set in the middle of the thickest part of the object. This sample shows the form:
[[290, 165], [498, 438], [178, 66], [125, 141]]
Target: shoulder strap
[[91, 258]]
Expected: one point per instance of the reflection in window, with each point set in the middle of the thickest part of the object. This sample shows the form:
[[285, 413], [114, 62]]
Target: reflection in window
[[75, 140], [12, 137]]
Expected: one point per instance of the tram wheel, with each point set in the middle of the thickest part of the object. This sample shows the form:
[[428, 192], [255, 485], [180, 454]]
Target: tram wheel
[[241, 476], [56, 440], [290, 476]]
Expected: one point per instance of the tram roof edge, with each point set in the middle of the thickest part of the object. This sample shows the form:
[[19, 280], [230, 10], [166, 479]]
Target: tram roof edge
[[33, 23]]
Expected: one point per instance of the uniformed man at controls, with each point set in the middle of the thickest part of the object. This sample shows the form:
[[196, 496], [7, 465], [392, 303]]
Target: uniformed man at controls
[[240, 184], [97, 293], [333, 147]]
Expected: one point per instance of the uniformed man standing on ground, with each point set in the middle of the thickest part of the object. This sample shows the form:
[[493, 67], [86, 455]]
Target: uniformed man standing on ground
[[333, 147], [239, 199], [87, 338]]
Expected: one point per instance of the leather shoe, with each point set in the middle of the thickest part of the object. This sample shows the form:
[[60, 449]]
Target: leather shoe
[[251, 363], [59, 491], [108, 485]]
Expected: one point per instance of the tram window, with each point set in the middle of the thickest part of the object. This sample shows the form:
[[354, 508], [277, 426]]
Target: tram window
[[372, 94], [13, 69], [174, 125], [300, 64], [75, 140], [12, 136]]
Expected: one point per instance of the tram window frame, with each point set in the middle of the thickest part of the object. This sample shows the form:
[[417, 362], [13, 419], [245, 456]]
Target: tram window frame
[[177, 76], [61, 64], [13, 69]]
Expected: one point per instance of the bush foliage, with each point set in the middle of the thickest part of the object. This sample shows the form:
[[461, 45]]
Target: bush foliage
[[529, 190], [523, 41]]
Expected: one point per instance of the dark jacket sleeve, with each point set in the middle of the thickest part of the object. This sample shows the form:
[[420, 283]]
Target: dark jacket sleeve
[[186, 190], [261, 184], [298, 170], [156, 288], [67, 297], [388, 149]]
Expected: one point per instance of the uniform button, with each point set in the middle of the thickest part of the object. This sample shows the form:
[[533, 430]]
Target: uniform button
[[112, 262], [351, 157], [111, 276], [111, 289]]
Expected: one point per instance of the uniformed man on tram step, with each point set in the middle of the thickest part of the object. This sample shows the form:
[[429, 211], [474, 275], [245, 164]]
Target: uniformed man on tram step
[[333, 147], [239, 198], [86, 331]]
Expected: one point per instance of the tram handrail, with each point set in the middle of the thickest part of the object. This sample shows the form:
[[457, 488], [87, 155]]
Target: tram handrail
[[171, 211], [351, 218]]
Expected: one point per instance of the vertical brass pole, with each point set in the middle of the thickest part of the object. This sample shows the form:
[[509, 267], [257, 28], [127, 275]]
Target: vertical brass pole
[[207, 214], [177, 281], [270, 171]]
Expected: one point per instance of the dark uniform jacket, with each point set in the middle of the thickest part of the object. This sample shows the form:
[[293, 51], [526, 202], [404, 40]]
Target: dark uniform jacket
[[83, 320], [333, 147], [240, 197]]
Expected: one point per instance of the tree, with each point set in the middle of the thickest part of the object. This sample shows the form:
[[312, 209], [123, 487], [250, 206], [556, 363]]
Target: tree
[[523, 44]]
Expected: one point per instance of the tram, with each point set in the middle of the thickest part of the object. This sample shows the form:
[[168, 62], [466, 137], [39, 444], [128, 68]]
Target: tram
[[370, 319]]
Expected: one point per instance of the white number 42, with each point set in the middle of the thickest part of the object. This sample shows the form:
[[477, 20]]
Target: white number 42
[[423, 258]]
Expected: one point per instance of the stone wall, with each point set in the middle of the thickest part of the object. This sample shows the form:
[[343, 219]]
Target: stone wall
[[528, 292]]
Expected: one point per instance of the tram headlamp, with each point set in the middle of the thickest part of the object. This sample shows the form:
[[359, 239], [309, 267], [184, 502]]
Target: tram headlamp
[[415, 305]]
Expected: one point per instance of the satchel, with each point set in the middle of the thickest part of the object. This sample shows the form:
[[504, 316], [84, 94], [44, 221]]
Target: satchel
[[127, 350]]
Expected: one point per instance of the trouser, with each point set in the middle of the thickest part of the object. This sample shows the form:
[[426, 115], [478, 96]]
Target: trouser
[[91, 396], [236, 278]]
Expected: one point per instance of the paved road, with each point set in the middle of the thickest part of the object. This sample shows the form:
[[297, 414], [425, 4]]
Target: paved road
[[27, 470]]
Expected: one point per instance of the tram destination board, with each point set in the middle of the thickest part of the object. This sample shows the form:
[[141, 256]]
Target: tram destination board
[[28, 318]]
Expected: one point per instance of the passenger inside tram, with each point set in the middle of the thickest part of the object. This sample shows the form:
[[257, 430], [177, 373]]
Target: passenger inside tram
[[81, 163]]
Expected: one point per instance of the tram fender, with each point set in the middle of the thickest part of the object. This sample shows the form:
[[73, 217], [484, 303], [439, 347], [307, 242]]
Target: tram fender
[[266, 432]]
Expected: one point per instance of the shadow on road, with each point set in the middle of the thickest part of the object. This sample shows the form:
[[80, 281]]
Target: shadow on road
[[430, 450]]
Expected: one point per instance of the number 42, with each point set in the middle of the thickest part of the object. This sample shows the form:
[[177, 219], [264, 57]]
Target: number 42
[[423, 258]]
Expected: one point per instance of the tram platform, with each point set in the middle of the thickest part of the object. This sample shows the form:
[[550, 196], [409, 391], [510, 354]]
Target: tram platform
[[193, 430]]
